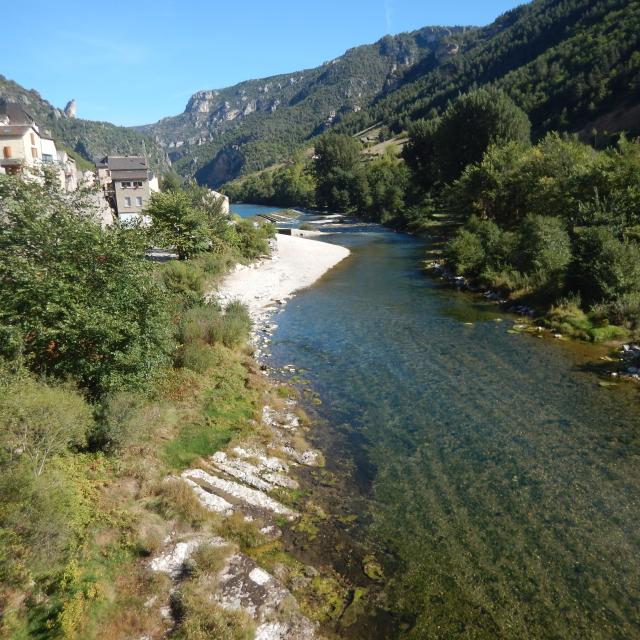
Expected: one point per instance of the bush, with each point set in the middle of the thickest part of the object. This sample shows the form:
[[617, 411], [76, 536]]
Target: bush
[[199, 323], [39, 421], [82, 299], [118, 423], [199, 357], [202, 619], [466, 253], [605, 268], [215, 265], [235, 326], [624, 311], [185, 280], [544, 246], [253, 240], [206, 324]]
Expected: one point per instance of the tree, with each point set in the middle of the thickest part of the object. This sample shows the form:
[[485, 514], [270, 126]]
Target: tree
[[337, 169], [178, 223], [387, 181], [190, 220], [171, 181], [77, 300], [439, 150], [544, 246], [605, 268]]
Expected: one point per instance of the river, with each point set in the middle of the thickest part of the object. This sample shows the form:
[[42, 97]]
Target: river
[[496, 479]]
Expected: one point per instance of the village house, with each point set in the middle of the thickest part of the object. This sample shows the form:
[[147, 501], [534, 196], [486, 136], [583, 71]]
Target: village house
[[127, 184], [26, 150]]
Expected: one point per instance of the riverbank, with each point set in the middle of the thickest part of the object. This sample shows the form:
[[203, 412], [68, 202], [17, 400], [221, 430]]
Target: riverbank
[[295, 264], [250, 488], [245, 494]]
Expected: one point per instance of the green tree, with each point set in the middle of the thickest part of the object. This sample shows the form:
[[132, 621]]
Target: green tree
[[544, 246], [178, 223], [171, 181], [337, 170], [387, 181], [77, 300], [439, 151], [605, 268]]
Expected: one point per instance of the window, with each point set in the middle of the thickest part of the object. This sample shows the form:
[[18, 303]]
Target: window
[[125, 185], [7, 152], [34, 152], [127, 202], [33, 139], [138, 201], [137, 185]]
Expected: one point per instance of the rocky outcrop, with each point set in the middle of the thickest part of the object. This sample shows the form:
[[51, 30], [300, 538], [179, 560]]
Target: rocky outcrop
[[226, 165], [70, 109]]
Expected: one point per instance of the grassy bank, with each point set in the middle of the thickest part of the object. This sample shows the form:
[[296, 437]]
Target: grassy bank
[[114, 374]]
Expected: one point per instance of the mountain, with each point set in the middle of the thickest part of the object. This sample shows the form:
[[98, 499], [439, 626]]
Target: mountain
[[570, 64], [251, 125], [91, 140]]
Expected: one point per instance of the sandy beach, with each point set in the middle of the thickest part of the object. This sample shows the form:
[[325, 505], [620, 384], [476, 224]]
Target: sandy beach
[[297, 263]]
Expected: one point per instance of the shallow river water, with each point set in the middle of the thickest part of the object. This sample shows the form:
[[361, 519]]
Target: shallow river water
[[501, 482]]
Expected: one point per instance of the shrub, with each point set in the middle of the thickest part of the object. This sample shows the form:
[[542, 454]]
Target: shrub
[[184, 280], [118, 422], [606, 268], [199, 323], [39, 421], [236, 324], [214, 265], [253, 240], [544, 246], [466, 253], [202, 619], [206, 324], [199, 357], [624, 311]]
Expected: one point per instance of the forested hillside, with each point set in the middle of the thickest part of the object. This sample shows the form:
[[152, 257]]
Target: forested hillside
[[571, 65], [259, 122], [567, 63], [92, 140]]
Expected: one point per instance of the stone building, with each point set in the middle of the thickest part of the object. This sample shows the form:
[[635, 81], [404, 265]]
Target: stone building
[[27, 151], [127, 183]]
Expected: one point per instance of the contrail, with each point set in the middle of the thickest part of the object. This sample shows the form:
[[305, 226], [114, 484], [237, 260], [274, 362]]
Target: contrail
[[388, 13]]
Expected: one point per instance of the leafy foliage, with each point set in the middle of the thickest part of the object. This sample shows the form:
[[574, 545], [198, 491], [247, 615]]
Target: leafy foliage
[[439, 150], [77, 300], [552, 219]]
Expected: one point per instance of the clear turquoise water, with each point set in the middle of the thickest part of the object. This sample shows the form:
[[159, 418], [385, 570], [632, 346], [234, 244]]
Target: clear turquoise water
[[249, 210], [500, 481]]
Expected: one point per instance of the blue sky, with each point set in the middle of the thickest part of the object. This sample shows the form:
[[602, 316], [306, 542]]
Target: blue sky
[[138, 61]]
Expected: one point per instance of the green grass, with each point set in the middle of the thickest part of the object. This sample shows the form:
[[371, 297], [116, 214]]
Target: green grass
[[227, 408]]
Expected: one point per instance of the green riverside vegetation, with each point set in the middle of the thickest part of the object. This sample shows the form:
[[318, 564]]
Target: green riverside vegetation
[[555, 225], [114, 373]]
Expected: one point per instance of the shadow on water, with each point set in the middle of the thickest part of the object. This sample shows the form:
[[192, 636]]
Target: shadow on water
[[492, 468]]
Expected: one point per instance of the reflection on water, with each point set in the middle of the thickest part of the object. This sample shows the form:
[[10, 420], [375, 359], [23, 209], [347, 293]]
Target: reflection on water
[[496, 470]]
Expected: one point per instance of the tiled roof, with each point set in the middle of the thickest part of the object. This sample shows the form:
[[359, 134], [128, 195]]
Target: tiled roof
[[125, 163], [15, 113]]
